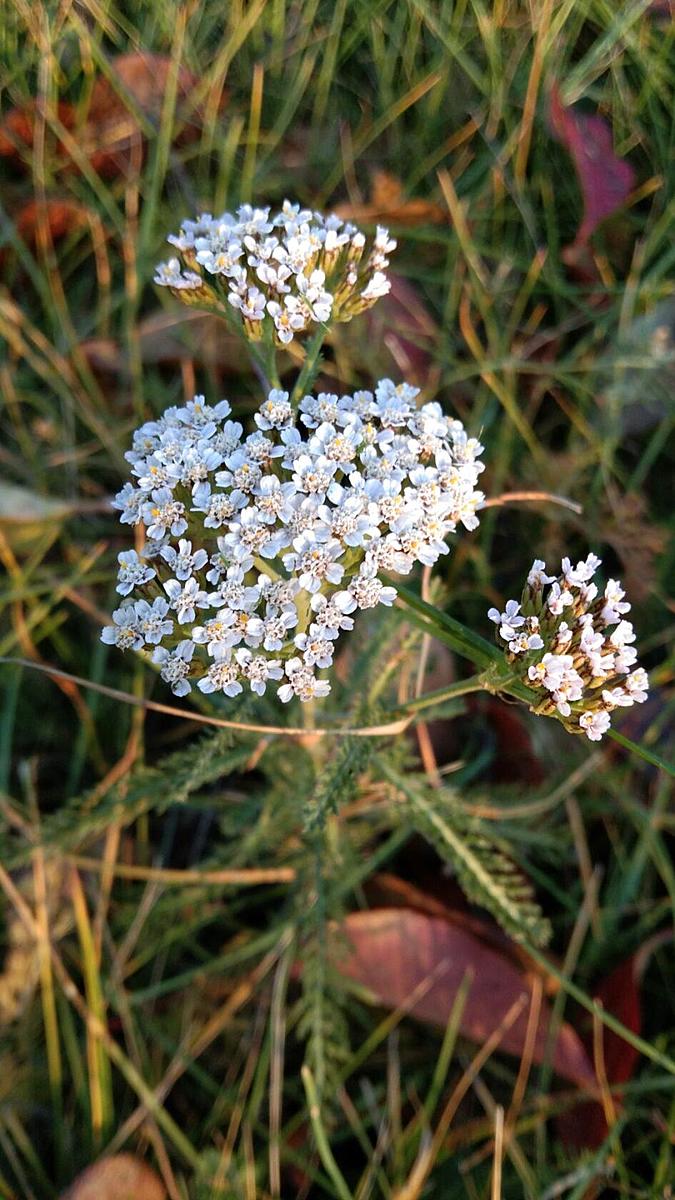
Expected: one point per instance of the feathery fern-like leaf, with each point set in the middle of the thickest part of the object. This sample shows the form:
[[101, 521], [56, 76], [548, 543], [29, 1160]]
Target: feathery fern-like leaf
[[484, 870]]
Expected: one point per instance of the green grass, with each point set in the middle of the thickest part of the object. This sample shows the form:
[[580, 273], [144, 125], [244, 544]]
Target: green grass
[[164, 1014]]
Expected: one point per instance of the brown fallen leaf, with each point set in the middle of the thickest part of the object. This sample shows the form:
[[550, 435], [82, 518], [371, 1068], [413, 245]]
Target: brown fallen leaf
[[109, 134], [61, 217], [440, 896], [18, 125], [119, 1177], [393, 951], [387, 203], [111, 130]]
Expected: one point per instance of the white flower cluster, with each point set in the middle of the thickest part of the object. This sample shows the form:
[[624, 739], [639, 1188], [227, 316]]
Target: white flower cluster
[[558, 639], [290, 269], [260, 548]]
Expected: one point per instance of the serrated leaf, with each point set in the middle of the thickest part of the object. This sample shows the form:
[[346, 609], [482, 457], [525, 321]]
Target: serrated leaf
[[485, 873]]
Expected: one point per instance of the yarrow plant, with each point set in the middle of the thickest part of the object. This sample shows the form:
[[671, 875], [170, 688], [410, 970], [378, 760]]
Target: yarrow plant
[[282, 272], [261, 547], [572, 643]]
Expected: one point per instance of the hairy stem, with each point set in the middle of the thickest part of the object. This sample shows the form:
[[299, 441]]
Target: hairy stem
[[310, 366]]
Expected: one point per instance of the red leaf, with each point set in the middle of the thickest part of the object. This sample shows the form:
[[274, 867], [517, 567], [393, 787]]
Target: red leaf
[[585, 1126], [393, 951], [60, 216], [605, 179], [18, 124]]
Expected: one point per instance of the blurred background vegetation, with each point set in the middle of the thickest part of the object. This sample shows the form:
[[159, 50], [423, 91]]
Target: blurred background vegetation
[[200, 1021]]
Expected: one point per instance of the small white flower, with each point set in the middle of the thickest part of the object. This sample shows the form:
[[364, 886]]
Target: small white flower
[[275, 412], [638, 685], [551, 670], [164, 514], [124, 632], [175, 666], [537, 577], [623, 635], [509, 621], [315, 562], [313, 475], [366, 591], [184, 600], [132, 573], [302, 683], [153, 623], [559, 599], [317, 651], [258, 669], [130, 501], [614, 605], [169, 274], [277, 626], [594, 724], [184, 561], [221, 676], [617, 697]]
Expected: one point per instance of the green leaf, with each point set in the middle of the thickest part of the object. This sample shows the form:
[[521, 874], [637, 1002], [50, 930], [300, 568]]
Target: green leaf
[[487, 875]]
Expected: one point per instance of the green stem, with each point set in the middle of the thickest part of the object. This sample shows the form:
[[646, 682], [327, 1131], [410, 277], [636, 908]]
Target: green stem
[[268, 355], [310, 366], [477, 683], [447, 629], [606, 1018], [480, 652], [320, 1137], [647, 755]]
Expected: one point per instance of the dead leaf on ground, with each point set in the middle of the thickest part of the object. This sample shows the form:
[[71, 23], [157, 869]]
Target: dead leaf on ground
[[605, 179], [61, 216], [111, 130], [441, 896], [394, 951], [109, 134], [585, 1126], [18, 125], [119, 1177], [388, 203]]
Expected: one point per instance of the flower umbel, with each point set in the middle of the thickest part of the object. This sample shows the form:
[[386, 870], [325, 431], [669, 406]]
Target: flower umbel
[[258, 548], [571, 643], [286, 271]]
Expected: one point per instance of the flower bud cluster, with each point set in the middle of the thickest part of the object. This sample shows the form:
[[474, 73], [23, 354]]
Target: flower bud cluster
[[260, 548], [285, 271], [572, 643]]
